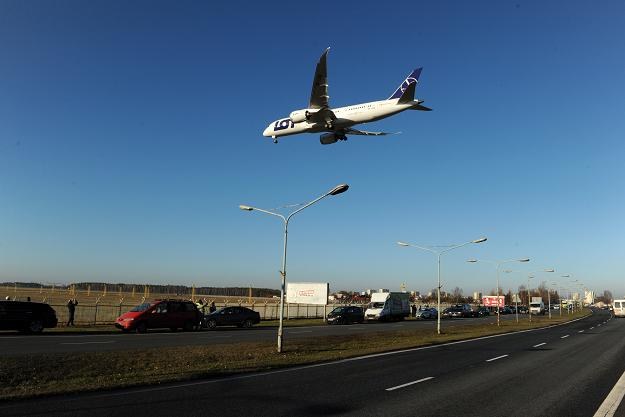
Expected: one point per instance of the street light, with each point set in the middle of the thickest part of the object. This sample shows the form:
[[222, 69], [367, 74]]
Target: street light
[[438, 254], [341, 188], [498, 265]]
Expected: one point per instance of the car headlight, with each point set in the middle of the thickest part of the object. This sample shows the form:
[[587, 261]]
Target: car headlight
[[129, 319]]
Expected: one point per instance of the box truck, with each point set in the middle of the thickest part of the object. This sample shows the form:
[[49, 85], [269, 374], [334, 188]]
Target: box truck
[[537, 306], [388, 306]]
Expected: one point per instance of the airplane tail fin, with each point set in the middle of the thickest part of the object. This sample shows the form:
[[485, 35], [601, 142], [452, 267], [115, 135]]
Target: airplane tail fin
[[412, 78]]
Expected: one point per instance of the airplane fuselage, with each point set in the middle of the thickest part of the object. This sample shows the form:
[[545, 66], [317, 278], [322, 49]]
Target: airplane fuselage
[[345, 117]]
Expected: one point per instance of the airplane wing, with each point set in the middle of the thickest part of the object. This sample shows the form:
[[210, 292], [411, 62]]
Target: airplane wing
[[319, 97], [350, 131]]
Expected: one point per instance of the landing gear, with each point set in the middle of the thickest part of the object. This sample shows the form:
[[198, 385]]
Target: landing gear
[[275, 139]]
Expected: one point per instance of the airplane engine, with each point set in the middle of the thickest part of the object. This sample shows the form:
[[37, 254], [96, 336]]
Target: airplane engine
[[329, 138], [302, 115]]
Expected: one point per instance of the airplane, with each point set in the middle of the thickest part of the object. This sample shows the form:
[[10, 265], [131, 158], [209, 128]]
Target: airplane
[[337, 123]]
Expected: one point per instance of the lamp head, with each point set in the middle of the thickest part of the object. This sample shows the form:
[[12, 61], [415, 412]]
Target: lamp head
[[480, 240], [339, 189], [524, 260], [403, 244], [247, 208], [472, 260], [550, 270]]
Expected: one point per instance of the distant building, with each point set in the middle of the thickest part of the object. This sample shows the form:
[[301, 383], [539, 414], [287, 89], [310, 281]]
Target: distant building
[[477, 296]]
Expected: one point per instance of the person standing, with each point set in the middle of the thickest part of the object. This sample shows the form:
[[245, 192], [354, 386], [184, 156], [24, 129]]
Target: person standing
[[71, 308], [212, 307]]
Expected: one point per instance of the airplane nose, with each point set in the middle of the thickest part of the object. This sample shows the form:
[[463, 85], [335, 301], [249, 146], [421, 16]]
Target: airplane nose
[[268, 132]]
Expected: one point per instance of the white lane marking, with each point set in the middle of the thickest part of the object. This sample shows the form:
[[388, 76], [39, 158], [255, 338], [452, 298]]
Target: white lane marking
[[581, 331], [221, 337], [410, 383], [599, 325], [398, 325], [303, 331], [611, 403], [540, 344], [87, 343], [592, 327], [494, 359], [565, 336], [317, 365]]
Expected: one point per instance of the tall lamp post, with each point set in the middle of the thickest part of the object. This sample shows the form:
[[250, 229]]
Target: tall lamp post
[[498, 265], [336, 190], [438, 253]]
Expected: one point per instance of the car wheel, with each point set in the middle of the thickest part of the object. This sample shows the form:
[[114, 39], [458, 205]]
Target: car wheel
[[211, 324], [141, 328], [247, 323], [35, 326]]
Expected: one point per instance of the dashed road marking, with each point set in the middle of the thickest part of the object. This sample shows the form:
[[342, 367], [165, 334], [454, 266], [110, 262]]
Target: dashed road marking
[[540, 344], [88, 343], [581, 331], [565, 336], [494, 359], [410, 383], [300, 332]]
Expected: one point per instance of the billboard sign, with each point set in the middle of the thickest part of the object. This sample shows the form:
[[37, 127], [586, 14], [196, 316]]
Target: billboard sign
[[491, 300], [307, 292]]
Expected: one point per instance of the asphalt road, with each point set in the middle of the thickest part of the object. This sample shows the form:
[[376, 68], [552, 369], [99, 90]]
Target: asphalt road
[[566, 370], [12, 343]]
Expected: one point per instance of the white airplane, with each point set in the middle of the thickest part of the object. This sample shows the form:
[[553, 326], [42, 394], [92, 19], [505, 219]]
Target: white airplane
[[319, 117]]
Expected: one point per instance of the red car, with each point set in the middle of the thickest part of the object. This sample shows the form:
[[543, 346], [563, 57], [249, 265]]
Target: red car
[[160, 314]]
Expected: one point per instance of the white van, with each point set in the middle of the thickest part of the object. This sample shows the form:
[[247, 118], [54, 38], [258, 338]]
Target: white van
[[619, 308]]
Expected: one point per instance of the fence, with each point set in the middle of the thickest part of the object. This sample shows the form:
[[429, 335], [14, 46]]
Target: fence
[[100, 313]]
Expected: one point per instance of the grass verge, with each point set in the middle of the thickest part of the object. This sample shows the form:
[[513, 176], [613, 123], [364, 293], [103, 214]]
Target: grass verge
[[36, 375]]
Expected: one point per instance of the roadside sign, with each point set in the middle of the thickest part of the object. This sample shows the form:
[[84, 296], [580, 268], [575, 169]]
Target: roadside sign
[[491, 300]]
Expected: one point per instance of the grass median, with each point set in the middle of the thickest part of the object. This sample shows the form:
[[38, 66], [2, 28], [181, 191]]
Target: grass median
[[46, 374]]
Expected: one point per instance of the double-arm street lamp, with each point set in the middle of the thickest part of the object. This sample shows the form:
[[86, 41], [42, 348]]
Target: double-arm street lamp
[[498, 265], [438, 254], [336, 190]]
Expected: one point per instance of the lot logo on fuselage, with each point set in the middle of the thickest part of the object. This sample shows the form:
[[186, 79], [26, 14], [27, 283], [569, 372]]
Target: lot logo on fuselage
[[283, 124]]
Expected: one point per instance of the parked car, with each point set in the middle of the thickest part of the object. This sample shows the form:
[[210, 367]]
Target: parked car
[[427, 314], [346, 315], [26, 316], [481, 312], [523, 310], [459, 310], [160, 314], [232, 316], [505, 310]]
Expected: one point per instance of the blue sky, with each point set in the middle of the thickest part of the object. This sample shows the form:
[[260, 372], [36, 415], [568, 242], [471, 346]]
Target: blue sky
[[131, 131]]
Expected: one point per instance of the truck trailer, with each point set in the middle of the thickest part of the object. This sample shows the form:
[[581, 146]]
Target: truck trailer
[[388, 306], [537, 306]]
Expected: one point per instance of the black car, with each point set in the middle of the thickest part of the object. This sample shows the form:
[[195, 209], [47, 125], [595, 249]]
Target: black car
[[481, 312], [346, 315], [232, 316], [459, 310], [26, 316], [505, 310]]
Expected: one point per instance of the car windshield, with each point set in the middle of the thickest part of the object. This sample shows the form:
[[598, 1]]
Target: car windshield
[[535, 305], [376, 305], [339, 310], [141, 307]]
